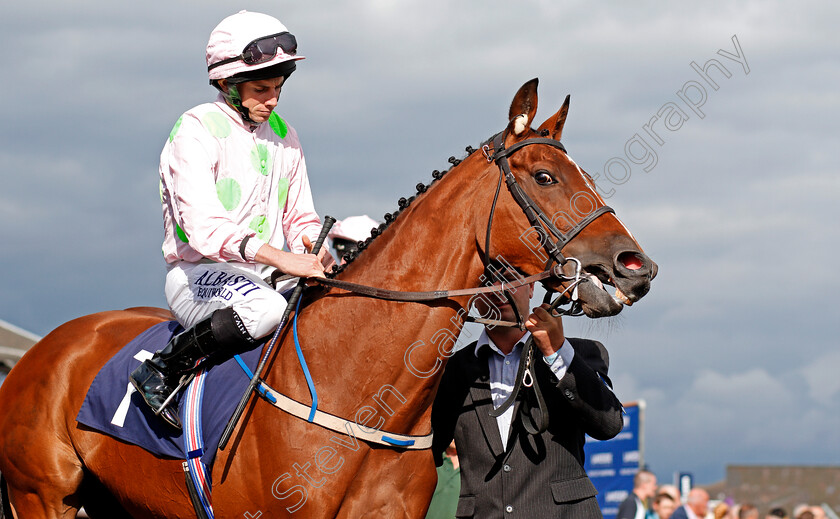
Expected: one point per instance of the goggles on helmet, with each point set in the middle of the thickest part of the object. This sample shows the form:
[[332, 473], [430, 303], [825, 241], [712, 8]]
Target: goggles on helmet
[[263, 49]]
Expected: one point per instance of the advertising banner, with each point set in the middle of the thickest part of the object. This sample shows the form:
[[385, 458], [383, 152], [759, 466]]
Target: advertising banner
[[611, 464]]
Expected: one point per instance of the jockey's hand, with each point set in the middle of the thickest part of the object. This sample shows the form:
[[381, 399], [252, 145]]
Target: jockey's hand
[[546, 329], [298, 265], [302, 265], [324, 256]]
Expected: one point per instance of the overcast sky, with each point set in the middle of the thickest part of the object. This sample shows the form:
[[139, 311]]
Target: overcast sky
[[734, 349]]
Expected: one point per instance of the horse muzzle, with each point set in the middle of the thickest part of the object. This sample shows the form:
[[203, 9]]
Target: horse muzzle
[[607, 287]]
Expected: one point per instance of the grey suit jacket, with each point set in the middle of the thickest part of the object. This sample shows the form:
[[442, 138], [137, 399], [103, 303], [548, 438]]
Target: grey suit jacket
[[527, 477]]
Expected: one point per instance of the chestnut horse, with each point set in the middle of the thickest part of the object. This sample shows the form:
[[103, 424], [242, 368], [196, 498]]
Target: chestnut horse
[[374, 361]]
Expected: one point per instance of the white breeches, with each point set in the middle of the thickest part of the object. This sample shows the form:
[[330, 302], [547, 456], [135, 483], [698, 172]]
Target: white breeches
[[195, 290]]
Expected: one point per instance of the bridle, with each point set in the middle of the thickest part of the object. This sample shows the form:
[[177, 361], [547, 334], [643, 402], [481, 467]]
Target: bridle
[[536, 216]]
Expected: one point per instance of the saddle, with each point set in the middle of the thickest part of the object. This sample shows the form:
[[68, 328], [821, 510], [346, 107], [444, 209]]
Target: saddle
[[112, 405]]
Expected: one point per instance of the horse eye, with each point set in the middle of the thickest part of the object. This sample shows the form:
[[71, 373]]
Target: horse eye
[[543, 178]]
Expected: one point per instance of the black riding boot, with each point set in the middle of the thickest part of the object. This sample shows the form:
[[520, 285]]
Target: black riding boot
[[219, 337]]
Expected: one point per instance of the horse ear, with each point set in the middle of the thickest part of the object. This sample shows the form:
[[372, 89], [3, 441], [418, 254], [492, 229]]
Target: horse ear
[[522, 109], [554, 124]]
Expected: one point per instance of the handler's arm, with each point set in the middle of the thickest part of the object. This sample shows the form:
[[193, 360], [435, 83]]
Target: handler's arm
[[587, 389], [580, 375]]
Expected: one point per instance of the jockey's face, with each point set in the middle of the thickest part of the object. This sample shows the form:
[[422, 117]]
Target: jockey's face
[[260, 97]]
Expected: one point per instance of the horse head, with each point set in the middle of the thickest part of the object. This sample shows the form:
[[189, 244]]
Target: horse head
[[564, 218]]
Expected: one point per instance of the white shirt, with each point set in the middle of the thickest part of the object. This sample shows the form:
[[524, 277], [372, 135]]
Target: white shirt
[[690, 513], [640, 508], [503, 370]]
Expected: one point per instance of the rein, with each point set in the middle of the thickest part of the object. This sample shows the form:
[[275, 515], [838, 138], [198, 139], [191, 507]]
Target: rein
[[408, 297], [525, 377], [404, 296]]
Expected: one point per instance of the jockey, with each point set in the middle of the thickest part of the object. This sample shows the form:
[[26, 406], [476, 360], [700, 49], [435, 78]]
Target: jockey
[[235, 193], [347, 233]]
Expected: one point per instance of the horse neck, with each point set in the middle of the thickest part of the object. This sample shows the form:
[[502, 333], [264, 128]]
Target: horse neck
[[432, 245]]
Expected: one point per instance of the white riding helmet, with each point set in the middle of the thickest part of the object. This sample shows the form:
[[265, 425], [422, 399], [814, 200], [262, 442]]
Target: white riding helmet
[[353, 228], [347, 233], [247, 42]]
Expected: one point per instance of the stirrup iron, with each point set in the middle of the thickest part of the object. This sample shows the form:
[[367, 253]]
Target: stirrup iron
[[185, 380]]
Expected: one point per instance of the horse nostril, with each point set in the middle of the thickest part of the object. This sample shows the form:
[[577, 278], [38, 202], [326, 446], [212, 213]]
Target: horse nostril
[[630, 260]]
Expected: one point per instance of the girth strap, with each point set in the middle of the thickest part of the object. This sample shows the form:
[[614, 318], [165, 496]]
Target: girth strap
[[344, 426]]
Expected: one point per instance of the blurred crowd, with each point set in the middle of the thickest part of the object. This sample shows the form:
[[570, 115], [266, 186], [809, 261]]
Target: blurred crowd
[[651, 501]]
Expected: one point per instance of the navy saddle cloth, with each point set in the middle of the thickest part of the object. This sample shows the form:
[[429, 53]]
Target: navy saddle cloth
[[114, 407]]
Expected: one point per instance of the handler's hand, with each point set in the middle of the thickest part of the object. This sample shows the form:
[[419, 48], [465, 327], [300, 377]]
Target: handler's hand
[[546, 329], [324, 256]]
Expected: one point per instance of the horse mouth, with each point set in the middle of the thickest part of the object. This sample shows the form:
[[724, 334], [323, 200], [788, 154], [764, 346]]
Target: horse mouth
[[604, 292], [596, 298], [599, 295], [618, 296]]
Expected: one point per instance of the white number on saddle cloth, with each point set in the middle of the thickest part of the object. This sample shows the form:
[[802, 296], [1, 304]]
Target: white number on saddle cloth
[[122, 409]]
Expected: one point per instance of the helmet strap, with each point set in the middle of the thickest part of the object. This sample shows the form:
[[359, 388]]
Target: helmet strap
[[233, 99]]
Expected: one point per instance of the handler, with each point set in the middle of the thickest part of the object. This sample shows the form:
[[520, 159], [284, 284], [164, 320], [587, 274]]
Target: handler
[[235, 192], [506, 472]]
